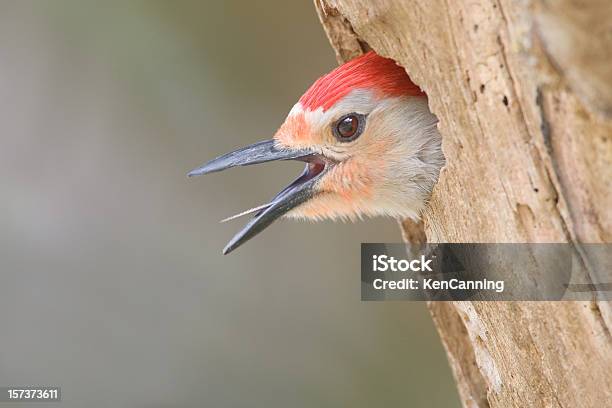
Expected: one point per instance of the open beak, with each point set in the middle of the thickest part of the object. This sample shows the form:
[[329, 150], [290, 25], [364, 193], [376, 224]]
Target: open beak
[[298, 192]]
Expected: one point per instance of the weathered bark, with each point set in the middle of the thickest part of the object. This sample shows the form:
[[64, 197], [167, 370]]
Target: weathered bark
[[523, 92]]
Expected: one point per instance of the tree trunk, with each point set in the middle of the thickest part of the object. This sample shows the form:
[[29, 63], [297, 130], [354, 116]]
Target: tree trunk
[[523, 93]]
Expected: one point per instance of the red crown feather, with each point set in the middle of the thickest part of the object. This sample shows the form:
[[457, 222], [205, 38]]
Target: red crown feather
[[369, 71]]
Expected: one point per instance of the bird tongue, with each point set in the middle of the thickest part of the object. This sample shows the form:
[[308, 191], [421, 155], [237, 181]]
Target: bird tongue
[[246, 212], [298, 192], [306, 174], [311, 170]]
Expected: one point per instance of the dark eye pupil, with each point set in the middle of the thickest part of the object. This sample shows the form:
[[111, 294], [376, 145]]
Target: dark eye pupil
[[348, 126]]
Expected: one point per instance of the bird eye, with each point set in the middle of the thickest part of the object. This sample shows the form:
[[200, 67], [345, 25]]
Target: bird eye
[[349, 127]]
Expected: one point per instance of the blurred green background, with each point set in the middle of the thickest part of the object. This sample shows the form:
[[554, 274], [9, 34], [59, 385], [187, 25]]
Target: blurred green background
[[112, 281]]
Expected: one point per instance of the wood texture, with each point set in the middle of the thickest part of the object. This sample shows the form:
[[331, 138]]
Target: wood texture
[[523, 92]]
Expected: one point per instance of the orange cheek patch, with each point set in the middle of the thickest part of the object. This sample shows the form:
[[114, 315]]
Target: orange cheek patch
[[351, 180]]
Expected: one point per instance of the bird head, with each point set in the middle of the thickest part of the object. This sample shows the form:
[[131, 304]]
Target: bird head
[[368, 139]]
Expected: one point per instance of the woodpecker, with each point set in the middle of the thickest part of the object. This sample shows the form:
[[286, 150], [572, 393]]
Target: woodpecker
[[370, 144]]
